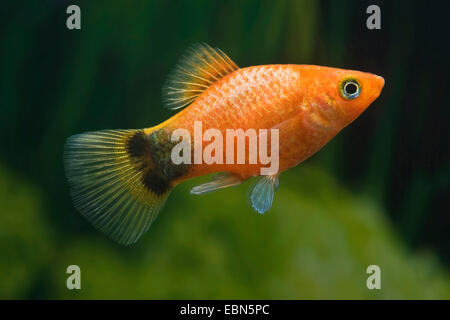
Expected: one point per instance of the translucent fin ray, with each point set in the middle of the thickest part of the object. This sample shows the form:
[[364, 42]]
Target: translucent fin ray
[[107, 183], [220, 181], [196, 71], [261, 193]]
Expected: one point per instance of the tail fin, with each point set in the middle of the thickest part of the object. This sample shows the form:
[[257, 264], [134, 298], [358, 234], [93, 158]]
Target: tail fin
[[114, 181]]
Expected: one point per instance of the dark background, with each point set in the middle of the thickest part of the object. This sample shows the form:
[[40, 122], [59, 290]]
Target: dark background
[[395, 157]]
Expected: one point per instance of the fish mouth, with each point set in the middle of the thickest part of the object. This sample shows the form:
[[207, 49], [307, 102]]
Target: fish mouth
[[377, 85], [380, 83]]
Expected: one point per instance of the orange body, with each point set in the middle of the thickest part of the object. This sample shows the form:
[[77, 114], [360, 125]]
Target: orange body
[[302, 101], [120, 179]]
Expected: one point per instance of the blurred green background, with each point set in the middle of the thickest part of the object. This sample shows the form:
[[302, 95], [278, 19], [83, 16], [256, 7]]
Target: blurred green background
[[377, 194]]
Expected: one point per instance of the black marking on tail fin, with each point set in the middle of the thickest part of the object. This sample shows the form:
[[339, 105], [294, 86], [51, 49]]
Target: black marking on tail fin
[[156, 182], [138, 145], [151, 155], [161, 149]]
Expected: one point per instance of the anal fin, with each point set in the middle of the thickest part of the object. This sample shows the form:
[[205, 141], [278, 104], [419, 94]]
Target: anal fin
[[220, 181]]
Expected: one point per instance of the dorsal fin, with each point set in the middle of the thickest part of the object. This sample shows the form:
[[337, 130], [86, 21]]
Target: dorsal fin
[[197, 69]]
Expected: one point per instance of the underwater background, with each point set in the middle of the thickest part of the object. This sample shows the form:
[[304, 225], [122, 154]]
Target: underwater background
[[376, 194]]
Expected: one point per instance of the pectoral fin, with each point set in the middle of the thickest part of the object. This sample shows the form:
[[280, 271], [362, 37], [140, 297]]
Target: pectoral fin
[[261, 193], [220, 181]]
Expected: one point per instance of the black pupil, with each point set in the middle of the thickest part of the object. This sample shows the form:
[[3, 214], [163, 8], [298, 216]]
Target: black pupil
[[351, 88]]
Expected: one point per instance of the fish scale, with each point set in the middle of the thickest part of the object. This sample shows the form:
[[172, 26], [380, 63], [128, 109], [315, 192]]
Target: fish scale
[[241, 100]]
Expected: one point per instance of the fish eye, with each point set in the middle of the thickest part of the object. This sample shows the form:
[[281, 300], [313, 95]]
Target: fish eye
[[350, 89]]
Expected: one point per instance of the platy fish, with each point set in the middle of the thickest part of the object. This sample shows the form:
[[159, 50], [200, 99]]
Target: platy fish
[[120, 179]]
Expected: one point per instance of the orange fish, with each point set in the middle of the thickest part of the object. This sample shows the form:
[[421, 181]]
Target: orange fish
[[120, 179]]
